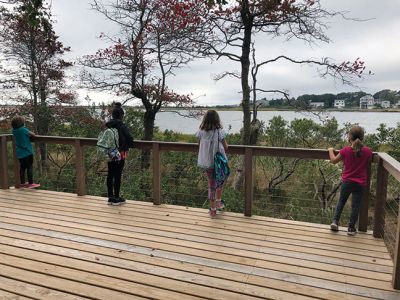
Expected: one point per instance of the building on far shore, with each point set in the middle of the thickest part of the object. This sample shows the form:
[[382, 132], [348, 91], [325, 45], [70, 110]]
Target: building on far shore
[[340, 103], [317, 104], [385, 103], [367, 102]]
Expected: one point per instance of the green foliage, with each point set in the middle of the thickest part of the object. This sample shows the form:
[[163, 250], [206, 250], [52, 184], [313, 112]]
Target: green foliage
[[328, 99], [134, 121], [387, 94]]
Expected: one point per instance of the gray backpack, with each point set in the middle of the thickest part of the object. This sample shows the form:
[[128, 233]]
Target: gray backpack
[[107, 144]]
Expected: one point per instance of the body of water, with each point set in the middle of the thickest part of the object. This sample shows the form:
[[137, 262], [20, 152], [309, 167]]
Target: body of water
[[232, 120]]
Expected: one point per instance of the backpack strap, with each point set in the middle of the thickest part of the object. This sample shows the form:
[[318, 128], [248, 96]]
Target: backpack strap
[[115, 139]]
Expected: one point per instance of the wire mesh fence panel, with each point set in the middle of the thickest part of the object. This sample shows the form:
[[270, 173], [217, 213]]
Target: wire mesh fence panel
[[298, 189], [136, 179], [391, 214], [184, 183], [58, 171]]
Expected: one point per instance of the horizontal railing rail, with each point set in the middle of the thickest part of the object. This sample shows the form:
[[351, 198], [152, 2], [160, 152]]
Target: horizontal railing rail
[[385, 165]]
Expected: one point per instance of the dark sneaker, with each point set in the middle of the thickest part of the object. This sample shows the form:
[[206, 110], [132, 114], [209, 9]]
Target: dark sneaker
[[121, 200], [334, 226], [351, 231], [113, 201]]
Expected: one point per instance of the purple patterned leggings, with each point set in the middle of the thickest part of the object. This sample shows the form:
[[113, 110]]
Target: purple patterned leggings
[[214, 191]]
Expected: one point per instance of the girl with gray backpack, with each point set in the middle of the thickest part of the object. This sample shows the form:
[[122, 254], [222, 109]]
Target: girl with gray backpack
[[118, 136]]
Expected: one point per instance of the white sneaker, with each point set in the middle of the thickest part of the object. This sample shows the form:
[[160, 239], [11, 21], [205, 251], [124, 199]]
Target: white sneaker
[[334, 226]]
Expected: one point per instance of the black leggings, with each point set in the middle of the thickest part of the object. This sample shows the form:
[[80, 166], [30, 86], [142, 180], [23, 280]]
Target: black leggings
[[114, 177], [26, 164]]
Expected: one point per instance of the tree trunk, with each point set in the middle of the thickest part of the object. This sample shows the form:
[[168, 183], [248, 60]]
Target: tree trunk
[[44, 118], [245, 71], [40, 123], [255, 130], [148, 122], [245, 66]]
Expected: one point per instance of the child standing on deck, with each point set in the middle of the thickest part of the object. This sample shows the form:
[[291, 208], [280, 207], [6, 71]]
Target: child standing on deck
[[211, 140], [356, 159], [24, 150], [115, 167]]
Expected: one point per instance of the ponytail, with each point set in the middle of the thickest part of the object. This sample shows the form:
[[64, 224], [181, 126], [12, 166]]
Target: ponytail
[[356, 135], [357, 146]]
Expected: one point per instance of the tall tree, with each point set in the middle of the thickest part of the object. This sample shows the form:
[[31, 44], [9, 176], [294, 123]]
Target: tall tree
[[31, 64], [235, 24], [152, 43]]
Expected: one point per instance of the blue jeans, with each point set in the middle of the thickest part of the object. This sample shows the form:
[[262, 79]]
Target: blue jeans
[[357, 191]]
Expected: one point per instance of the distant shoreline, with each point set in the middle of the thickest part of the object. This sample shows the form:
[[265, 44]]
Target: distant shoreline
[[238, 108], [392, 110]]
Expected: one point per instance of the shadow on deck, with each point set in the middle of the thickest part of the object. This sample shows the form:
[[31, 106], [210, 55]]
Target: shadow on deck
[[61, 246]]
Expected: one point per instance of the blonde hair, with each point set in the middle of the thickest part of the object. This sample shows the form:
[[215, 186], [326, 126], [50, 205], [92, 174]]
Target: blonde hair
[[356, 136]]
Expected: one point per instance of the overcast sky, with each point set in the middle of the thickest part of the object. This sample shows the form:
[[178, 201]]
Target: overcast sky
[[376, 41]]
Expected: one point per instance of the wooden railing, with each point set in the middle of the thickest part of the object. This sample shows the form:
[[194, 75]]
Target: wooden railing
[[386, 165]]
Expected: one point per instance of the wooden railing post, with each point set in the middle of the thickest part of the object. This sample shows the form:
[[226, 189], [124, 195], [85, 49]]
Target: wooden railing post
[[363, 215], [156, 175], [80, 169], [3, 163], [381, 194], [396, 265], [17, 179], [248, 181]]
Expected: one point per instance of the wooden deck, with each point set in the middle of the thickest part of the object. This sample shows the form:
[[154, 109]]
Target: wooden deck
[[61, 246]]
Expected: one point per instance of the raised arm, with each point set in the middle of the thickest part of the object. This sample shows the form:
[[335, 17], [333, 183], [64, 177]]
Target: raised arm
[[334, 158]]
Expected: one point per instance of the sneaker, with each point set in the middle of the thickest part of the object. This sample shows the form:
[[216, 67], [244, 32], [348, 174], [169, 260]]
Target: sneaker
[[24, 184], [220, 204], [212, 212], [113, 201], [32, 185], [334, 226], [351, 231], [121, 200]]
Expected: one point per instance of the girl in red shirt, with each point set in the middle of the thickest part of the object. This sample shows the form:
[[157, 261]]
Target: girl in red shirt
[[356, 159]]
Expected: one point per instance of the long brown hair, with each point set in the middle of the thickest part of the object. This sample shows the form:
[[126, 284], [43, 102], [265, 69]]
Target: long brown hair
[[356, 136], [210, 121]]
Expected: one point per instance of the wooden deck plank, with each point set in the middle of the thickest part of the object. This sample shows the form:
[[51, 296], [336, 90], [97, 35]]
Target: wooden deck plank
[[230, 217], [66, 286], [271, 248], [294, 253], [162, 234], [183, 282], [181, 249], [5, 295], [284, 276], [195, 212], [24, 290], [195, 248], [141, 262], [259, 220], [116, 287], [205, 222]]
